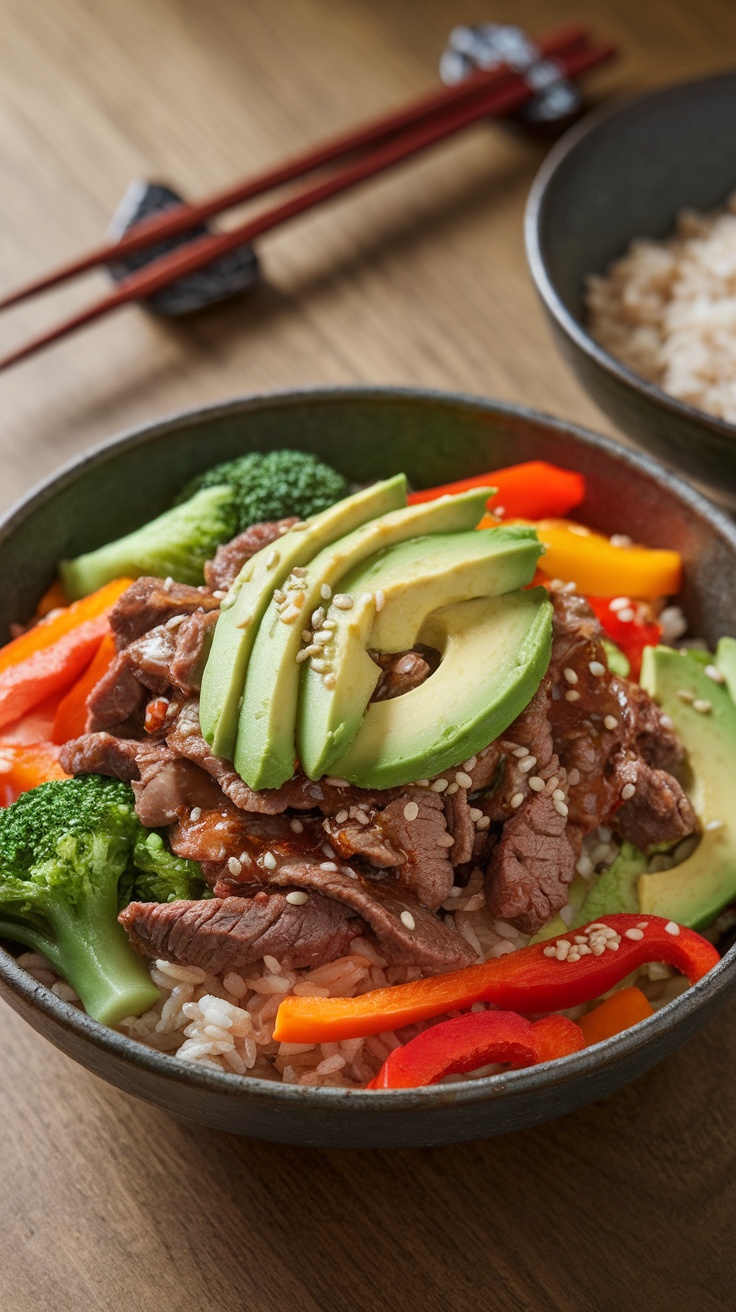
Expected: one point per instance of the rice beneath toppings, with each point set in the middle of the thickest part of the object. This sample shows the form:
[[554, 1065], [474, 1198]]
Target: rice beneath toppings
[[667, 309], [226, 1022]]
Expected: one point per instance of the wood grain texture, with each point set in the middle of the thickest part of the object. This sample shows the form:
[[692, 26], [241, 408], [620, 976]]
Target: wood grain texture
[[420, 279]]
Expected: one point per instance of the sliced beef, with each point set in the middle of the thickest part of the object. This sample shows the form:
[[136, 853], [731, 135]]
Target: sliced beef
[[420, 939], [652, 732], [149, 602], [400, 672], [356, 838], [230, 558], [163, 783], [532, 866], [176, 786], [657, 812], [222, 934], [193, 637], [120, 758], [460, 826], [414, 823], [117, 701]]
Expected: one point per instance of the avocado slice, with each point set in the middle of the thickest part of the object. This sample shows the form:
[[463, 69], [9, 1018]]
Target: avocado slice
[[725, 661], [694, 892], [495, 651], [615, 889], [265, 749], [413, 579], [245, 604]]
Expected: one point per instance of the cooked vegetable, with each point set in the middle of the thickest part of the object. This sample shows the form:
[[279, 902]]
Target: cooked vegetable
[[26, 765], [533, 979], [159, 875], [212, 509], [71, 714], [49, 657], [534, 489], [617, 1013], [63, 849], [630, 634], [466, 1043], [597, 565]]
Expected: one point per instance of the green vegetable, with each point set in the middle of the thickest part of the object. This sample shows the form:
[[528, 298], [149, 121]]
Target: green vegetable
[[212, 509], [67, 851], [159, 876]]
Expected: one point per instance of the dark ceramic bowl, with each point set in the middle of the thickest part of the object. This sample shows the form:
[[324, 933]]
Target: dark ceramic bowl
[[616, 176], [368, 434]]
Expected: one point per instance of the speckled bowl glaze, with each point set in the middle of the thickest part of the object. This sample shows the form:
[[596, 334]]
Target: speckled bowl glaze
[[618, 175], [368, 434]]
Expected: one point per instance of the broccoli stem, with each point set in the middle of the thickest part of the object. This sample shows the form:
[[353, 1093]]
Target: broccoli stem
[[93, 954]]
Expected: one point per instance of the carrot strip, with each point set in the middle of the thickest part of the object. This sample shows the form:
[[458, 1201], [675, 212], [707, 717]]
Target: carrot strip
[[71, 714], [617, 1013], [26, 765], [54, 598]]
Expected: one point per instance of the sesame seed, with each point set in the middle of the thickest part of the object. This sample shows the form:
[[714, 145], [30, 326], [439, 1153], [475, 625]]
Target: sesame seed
[[715, 674], [408, 920], [714, 824], [380, 599], [619, 603], [584, 950], [620, 540], [702, 707], [499, 511], [483, 823], [272, 559], [299, 571], [452, 788], [643, 924], [289, 615], [672, 928], [573, 777], [444, 840], [322, 637], [470, 763], [550, 952], [439, 785], [570, 674], [421, 783], [330, 625], [666, 721], [411, 811], [361, 816], [463, 780], [296, 826], [628, 791], [328, 865], [685, 695], [561, 808], [572, 695], [634, 934], [341, 817], [579, 938], [336, 782], [569, 587], [563, 947], [612, 944], [306, 635], [297, 898], [279, 596], [558, 795], [175, 621], [325, 591], [475, 814], [520, 751], [320, 666], [611, 723], [526, 764], [234, 866], [343, 601], [627, 615], [579, 529], [219, 594], [596, 668], [516, 801], [536, 784], [303, 655], [312, 650], [552, 785], [269, 860], [318, 616]]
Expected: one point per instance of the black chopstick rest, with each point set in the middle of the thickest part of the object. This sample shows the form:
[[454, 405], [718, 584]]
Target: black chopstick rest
[[488, 45], [230, 275]]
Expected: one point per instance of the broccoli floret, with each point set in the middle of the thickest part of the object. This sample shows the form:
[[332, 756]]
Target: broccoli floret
[[275, 485], [212, 509], [159, 876], [63, 849]]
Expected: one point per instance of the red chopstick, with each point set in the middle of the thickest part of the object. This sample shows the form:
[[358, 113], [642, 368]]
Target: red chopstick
[[496, 100], [184, 217]]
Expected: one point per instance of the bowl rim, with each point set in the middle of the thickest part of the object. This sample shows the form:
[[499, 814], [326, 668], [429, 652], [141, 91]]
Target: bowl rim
[[714, 988], [534, 219]]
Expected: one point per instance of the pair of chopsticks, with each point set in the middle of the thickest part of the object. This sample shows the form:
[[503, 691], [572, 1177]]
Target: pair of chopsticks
[[360, 154]]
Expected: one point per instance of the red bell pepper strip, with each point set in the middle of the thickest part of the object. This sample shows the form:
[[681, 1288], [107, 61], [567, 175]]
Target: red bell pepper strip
[[464, 1043], [533, 490], [531, 980], [49, 657], [617, 1013], [631, 635], [71, 714], [26, 765]]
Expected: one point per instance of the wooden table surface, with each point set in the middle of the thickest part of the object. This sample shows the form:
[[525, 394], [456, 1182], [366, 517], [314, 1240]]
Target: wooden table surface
[[421, 279]]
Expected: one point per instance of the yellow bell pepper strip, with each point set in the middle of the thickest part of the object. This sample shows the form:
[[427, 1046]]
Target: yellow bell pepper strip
[[539, 978], [600, 568], [614, 1015], [71, 714], [49, 657], [630, 634], [26, 765], [463, 1044], [533, 489]]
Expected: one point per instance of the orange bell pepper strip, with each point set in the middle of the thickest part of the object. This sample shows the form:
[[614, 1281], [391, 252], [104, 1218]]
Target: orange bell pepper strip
[[54, 598], [598, 567], [463, 1044], [531, 980], [71, 714], [533, 489], [49, 657], [615, 1014], [26, 765]]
